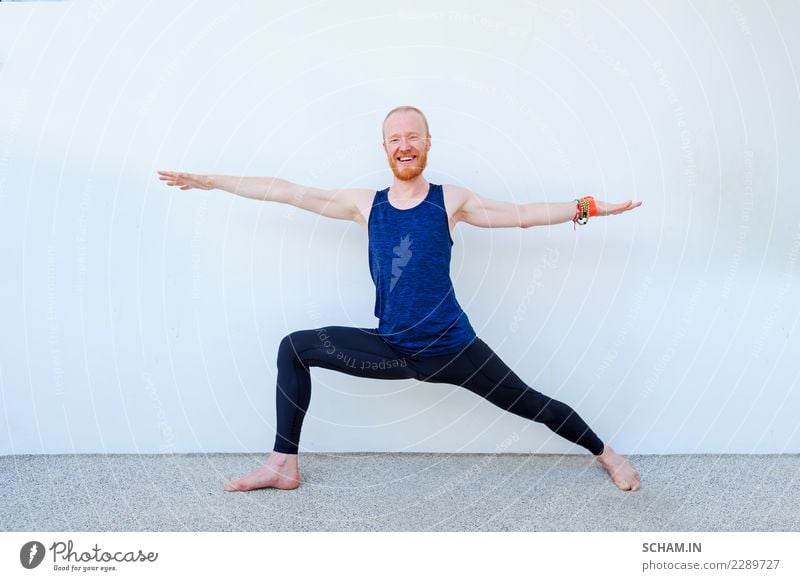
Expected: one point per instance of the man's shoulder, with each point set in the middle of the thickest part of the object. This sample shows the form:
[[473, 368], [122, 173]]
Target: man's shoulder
[[454, 199], [456, 194]]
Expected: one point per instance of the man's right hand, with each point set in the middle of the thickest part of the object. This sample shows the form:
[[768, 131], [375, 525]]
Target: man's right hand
[[186, 181]]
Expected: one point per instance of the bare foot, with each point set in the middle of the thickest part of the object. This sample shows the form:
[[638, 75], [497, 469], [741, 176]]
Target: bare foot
[[621, 471], [279, 471]]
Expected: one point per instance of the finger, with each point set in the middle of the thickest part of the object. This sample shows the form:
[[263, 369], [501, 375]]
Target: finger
[[631, 205], [619, 208], [186, 187]]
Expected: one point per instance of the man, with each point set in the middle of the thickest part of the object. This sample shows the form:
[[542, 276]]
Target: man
[[423, 333]]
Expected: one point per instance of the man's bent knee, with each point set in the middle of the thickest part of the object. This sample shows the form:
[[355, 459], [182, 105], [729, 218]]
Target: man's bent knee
[[293, 344]]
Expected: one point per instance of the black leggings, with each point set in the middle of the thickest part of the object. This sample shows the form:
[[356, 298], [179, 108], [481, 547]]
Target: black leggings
[[361, 352]]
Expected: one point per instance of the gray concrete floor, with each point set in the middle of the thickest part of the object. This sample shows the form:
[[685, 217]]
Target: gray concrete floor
[[399, 492]]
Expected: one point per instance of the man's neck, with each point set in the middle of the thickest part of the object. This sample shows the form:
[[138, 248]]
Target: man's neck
[[409, 189]]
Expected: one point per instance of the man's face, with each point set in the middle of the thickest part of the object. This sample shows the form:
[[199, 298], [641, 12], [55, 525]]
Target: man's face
[[406, 144]]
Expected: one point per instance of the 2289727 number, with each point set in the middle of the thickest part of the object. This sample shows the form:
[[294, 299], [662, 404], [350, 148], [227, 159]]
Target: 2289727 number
[[754, 564]]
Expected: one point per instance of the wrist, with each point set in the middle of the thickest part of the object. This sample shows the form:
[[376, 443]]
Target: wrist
[[585, 208]]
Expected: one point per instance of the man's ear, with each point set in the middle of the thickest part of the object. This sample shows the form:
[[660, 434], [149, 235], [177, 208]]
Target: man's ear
[[428, 142]]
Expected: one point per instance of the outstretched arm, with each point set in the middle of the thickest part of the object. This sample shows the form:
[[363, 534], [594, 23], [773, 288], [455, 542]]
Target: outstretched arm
[[340, 204], [488, 213]]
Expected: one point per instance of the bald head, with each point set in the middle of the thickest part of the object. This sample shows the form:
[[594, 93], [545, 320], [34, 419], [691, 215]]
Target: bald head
[[406, 110]]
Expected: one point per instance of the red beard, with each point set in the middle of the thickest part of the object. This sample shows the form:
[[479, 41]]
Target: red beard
[[408, 171]]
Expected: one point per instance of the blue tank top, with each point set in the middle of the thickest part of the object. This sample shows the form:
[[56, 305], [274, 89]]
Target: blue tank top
[[409, 260]]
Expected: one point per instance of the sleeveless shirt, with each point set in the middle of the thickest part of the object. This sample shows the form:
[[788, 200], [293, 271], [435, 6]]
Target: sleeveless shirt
[[409, 260]]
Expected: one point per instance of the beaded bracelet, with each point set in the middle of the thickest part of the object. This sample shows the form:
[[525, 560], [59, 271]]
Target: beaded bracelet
[[584, 209]]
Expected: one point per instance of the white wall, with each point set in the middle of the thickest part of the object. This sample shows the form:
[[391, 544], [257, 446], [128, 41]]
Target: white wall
[[139, 318]]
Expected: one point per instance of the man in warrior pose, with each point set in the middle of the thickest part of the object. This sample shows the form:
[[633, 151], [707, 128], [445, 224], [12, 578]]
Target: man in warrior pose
[[422, 333]]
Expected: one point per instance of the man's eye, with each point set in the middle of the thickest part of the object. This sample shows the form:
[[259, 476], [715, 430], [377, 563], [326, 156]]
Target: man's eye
[[394, 141]]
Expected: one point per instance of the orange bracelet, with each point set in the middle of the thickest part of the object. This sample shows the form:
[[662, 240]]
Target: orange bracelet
[[592, 206], [585, 207]]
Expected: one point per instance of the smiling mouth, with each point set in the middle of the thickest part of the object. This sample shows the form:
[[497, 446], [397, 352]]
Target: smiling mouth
[[406, 159]]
